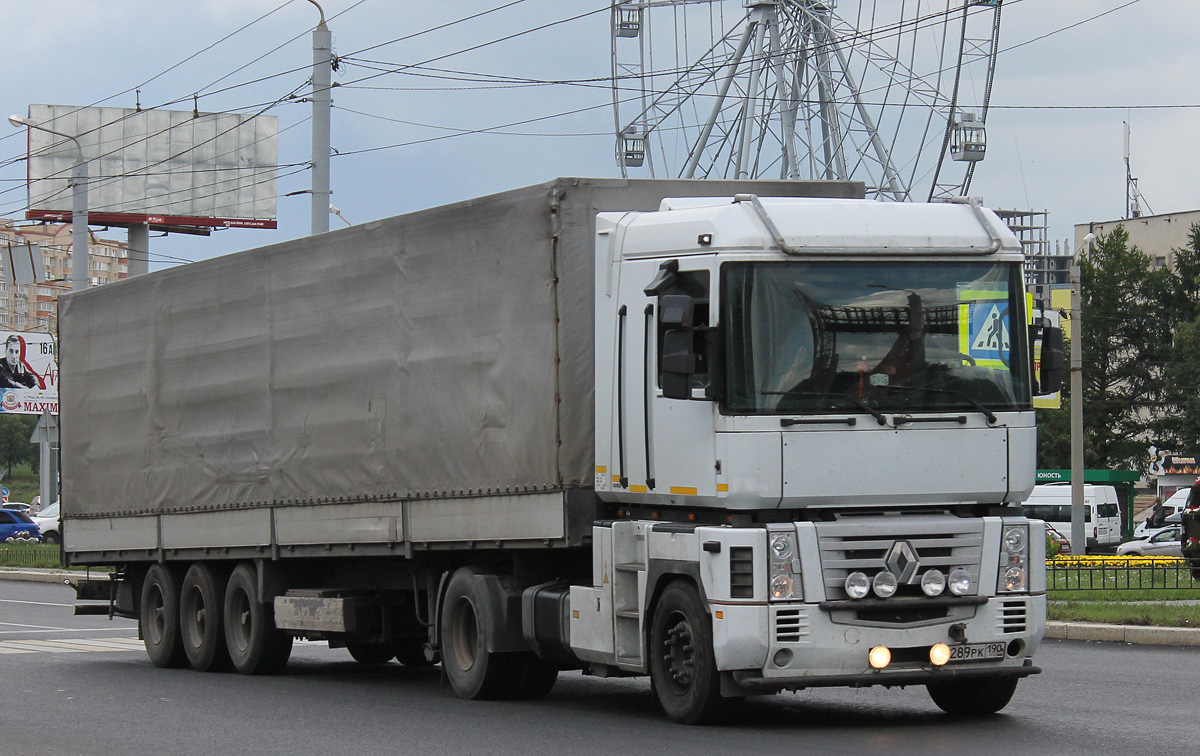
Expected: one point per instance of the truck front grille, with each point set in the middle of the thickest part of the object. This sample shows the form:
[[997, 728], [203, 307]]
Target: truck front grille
[[1014, 616], [864, 545], [790, 625]]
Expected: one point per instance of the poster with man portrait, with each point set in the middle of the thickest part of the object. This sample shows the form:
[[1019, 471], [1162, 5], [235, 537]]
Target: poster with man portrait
[[28, 373]]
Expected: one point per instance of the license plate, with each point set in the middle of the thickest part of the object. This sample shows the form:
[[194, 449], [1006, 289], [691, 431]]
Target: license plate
[[977, 651]]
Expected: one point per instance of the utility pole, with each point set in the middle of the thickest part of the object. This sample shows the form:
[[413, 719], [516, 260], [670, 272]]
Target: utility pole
[[1078, 532], [322, 102]]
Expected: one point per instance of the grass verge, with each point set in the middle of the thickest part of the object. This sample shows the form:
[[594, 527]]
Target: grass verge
[[1115, 613]]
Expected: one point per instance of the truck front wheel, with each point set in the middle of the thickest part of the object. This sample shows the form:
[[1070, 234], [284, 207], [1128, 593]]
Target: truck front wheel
[[256, 647], [474, 672], [683, 667], [973, 698], [159, 617]]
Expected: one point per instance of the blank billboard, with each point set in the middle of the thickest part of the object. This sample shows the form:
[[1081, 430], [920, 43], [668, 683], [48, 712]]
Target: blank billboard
[[165, 167]]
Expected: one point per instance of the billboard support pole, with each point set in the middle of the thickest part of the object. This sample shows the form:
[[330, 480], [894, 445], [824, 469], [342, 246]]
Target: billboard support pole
[[138, 249], [322, 73], [79, 223]]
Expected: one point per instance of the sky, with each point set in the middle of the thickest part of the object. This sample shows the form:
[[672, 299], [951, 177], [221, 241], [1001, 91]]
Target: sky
[[1063, 87]]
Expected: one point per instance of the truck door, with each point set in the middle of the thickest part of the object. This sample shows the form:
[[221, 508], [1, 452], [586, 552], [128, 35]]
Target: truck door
[[667, 411]]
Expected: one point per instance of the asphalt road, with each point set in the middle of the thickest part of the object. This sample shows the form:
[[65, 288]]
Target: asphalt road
[[83, 686]]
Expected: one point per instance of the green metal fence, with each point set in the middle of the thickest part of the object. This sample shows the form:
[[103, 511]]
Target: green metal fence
[[1096, 575], [30, 555]]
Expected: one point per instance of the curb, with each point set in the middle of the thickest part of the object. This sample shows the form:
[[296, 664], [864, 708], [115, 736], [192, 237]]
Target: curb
[[1140, 634], [37, 575]]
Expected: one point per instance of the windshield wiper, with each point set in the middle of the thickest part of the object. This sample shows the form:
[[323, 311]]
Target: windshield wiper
[[818, 395], [991, 416]]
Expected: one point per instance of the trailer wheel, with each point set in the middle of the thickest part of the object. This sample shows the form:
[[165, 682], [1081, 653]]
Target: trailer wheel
[[201, 607], [973, 698], [473, 671], [683, 668], [159, 617], [256, 647], [370, 653]]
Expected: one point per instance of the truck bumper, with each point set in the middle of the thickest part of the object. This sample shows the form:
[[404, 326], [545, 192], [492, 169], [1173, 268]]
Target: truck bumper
[[823, 645]]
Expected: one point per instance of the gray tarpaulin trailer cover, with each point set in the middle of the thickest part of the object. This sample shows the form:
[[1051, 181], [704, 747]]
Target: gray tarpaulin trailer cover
[[438, 355]]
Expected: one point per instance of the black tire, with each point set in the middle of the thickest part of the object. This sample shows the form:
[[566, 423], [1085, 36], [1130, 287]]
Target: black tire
[[411, 653], [159, 617], [683, 668], [370, 653], [973, 698], [535, 678], [473, 671], [256, 647], [50, 537], [201, 624]]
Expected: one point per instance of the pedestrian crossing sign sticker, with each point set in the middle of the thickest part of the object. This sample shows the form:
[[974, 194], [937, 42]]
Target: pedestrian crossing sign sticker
[[983, 333]]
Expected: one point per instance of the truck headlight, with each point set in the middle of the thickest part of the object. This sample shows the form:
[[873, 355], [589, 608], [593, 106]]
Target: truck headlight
[[784, 566], [1014, 560], [858, 585], [960, 582], [933, 583], [884, 584]]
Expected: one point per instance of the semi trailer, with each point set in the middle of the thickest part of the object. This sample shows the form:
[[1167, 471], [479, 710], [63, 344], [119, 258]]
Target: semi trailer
[[741, 437]]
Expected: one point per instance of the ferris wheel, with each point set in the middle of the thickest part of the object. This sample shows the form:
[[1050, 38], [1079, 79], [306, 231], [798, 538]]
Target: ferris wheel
[[893, 93]]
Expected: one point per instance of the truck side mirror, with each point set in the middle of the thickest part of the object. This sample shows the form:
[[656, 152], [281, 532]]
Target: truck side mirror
[[1050, 378], [678, 363], [676, 310]]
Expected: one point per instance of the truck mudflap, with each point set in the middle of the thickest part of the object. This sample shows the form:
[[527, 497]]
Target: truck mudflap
[[746, 682]]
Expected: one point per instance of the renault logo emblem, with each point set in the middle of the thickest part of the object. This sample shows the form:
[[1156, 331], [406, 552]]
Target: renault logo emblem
[[902, 561]]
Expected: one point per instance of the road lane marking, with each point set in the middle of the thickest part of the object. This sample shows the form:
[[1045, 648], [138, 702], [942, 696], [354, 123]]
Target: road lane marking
[[35, 603], [42, 629], [76, 645]]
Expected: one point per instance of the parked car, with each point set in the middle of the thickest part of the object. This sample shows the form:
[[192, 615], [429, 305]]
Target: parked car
[[1158, 518], [1064, 545], [16, 506], [1161, 542], [47, 522], [15, 524]]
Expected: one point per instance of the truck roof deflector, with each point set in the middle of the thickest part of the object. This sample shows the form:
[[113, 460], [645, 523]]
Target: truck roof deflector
[[766, 221], [981, 216]]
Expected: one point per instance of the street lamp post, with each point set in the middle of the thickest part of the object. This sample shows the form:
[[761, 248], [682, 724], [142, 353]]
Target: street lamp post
[[79, 205]]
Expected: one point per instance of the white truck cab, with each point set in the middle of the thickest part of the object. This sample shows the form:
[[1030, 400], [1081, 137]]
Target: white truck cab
[[815, 419]]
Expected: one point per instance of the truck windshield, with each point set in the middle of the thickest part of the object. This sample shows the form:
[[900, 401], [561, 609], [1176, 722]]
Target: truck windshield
[[815, 337]]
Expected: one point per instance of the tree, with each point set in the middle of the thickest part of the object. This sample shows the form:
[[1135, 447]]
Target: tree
[[15, 447], [1123, 341], [1178, 422]]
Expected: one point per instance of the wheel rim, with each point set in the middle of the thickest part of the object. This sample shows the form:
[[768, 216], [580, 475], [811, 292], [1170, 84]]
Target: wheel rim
[[464, 633], [194, 612], [157, 619], [241, 621], [678, 651]]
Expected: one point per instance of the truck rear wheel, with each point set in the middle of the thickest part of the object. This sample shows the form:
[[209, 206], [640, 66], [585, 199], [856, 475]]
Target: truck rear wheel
[[159, 617], [474, 672], [256, 647], [683, 667], [201, 605], [973, 698]]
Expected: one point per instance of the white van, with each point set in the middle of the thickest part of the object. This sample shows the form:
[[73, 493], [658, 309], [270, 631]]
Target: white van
[[1101, 510], [1173, 505]]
